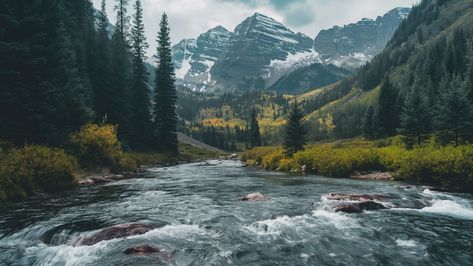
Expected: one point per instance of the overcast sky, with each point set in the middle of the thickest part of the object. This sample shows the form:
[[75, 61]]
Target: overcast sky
[[189, 18]]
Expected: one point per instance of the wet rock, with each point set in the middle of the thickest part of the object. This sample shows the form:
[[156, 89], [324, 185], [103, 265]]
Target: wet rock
[[373, 175], [101, 179], [359, 207], [86, 182], [116, 231], [358, 197], [234, 157], [254, 197], [148, 250]]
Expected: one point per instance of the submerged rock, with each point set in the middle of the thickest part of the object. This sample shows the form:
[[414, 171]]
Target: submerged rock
[[359, 207], [116, 231], [358, 197], [254, 197], [148, 250]]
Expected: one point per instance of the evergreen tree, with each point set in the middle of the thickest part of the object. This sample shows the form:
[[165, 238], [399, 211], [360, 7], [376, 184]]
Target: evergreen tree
[[120, 80], [385, 119], [142, 127], [102, 73], [294, 140], [123, 20], [368, 123], [415, 115], [166, 95], [453, 112], [254, 130]]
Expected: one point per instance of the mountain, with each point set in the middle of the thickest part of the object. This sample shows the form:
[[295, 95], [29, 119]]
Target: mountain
[[316, 75], [243, 59], [194, 58], [260, 51], [354, 44]]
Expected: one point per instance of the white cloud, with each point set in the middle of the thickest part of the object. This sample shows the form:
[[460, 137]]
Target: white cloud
[[189, 18]]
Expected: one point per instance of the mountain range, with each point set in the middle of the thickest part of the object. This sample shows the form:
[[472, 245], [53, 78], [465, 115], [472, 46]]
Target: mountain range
[[262, 53]]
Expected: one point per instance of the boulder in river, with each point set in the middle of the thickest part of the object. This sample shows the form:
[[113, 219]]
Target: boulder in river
[[358, 197], [149, 250], [86, 182], [359, 207], [254, 197], [116, 231]]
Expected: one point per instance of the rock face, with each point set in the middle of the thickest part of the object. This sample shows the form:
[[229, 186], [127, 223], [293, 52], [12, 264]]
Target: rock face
[[356, 43], [116, 231], [260, 51], [254, 197], [239, 60], [359, 207]]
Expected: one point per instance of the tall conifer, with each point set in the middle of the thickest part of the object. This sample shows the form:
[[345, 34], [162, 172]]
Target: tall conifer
[[166, 96], [142, 127]]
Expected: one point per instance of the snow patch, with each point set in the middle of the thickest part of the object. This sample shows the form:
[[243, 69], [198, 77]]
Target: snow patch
[[302, 58]]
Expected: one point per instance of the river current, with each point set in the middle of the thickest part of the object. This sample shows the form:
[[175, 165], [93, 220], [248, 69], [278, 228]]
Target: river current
[[201, 221]]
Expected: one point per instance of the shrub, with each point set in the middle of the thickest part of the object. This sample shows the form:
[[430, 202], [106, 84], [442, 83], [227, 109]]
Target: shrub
[[97, 145], [449, 166], [35, 169], [271, 160], [257, 154]]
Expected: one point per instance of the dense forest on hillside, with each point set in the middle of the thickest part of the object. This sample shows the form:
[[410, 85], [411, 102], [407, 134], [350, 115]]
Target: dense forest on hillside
[[64, 64], [421, 83]]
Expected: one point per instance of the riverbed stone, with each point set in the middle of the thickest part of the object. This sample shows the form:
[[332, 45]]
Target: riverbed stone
[[359, 207], [358, 197], [254, 197], [116, 231]]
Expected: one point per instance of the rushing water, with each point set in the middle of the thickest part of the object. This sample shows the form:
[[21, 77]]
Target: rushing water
[[202, 222]]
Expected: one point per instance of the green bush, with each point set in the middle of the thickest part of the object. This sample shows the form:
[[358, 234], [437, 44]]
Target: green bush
[[449, 166], [97, 145], [34, 169]]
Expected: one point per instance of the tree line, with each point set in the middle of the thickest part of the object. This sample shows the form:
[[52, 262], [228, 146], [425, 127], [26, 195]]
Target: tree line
[[64, 64]]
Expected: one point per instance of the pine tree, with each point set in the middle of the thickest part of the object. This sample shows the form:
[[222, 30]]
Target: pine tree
[[166, 95], [142, 127], [120, 80], [368, 123], [416, 114], [102, 73], [294, 139], [254, 130], [123, 20], [453, 112], [385, 119]]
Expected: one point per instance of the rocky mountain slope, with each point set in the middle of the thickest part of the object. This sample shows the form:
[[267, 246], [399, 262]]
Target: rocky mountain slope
[[354, 44], [261, 51]]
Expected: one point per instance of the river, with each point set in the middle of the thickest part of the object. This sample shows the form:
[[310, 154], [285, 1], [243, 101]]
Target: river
[[202, 222]]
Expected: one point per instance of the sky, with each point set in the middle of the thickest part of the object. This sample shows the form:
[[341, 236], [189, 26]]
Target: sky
[[190, 18]]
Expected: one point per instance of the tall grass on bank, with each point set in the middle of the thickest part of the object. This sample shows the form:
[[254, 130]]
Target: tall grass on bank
[[448, 166]]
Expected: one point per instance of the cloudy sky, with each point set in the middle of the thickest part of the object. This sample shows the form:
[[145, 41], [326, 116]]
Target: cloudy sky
[[189, 18]]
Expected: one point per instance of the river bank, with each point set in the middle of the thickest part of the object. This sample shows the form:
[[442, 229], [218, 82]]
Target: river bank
[[447, 167]]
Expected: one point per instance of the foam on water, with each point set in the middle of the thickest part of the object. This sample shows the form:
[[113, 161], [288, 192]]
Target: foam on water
[[406, 243], [338, 220], [281, 225], [450, 208]]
